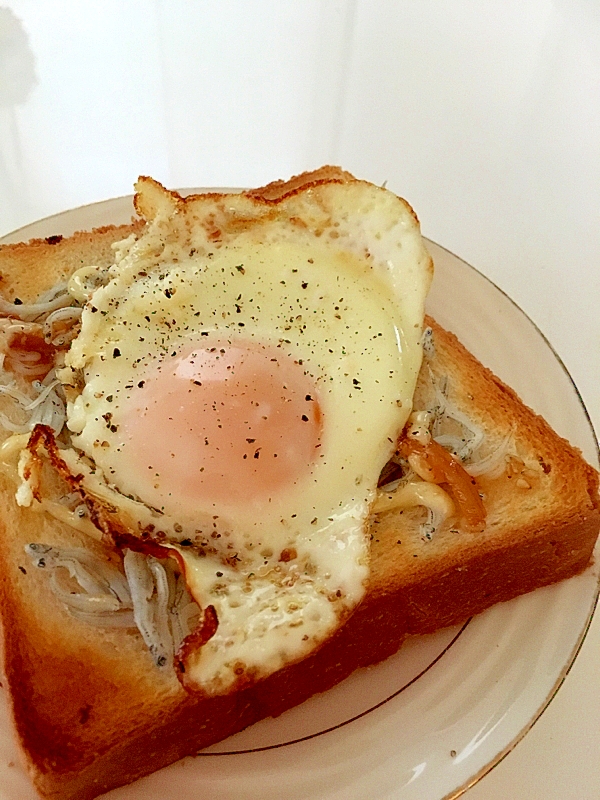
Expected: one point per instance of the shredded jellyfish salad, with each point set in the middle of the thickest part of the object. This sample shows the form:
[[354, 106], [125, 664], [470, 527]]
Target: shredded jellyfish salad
[[442, 445]]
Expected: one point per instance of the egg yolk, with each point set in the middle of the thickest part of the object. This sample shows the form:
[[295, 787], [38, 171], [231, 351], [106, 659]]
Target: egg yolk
[[225, 422]]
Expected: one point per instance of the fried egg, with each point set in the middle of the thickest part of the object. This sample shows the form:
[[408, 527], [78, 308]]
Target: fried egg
[[244, 374]]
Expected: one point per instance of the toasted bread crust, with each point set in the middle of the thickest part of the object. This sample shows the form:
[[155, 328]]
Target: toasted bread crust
[[29, 268], [91, 710]]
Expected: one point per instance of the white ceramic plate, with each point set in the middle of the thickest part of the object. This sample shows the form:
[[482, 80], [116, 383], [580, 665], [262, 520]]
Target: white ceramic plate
[[434, 718]]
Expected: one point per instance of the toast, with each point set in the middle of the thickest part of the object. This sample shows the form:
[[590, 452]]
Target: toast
[[90, 707]]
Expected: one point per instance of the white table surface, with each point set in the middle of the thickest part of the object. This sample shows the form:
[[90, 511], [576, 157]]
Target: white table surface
[[484, 114]]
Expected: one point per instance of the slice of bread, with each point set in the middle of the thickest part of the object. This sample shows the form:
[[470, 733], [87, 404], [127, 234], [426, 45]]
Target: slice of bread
[[92, 711]]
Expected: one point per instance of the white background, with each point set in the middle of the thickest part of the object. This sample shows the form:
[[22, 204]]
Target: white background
[[484, 114]]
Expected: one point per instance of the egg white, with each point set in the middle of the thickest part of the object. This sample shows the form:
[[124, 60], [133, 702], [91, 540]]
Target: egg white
[[337, 285]]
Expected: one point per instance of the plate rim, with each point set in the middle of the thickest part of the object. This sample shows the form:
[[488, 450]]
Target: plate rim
[[477, 777], [583, 634]]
